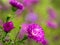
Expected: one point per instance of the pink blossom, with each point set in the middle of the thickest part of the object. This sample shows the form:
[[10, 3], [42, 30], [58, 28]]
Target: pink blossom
[[23, 31], [8, 26], [35, 32], [31, 17], [52, 13], [52, 24], [16, 4], [30, 2]]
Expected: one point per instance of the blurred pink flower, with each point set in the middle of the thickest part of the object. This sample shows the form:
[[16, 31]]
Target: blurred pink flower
[[31, 17], [0, 7], [52, 24], [30, 2], [52, 13], [23, 31]]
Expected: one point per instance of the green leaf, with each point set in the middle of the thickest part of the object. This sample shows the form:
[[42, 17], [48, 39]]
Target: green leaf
[[8, 18], [14, 9], [0, 27], [25, 37]]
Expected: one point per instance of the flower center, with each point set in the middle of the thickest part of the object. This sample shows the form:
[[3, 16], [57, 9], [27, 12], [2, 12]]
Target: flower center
[[35, 32]]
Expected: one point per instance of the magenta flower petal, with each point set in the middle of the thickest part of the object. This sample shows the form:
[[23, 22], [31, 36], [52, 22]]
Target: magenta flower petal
[[23, 31], [8, 26], [35, 32], [44, 42], [16, 4]]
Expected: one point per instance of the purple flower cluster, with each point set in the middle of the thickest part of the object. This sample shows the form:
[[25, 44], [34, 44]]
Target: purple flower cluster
[[19, 5], [30, 2], [22, 5], [52, 16], [8, 26], [35, 32]]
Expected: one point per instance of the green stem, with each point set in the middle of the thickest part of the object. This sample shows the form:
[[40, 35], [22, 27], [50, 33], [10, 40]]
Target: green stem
[[17, 34], [4, 37], [29, 41]]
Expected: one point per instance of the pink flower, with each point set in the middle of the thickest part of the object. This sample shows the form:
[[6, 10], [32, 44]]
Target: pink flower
[[0, 7], [52, 24], [8, 26], [31, 17], [23, 31], [52, 13], [16, 4], [35, 32]]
